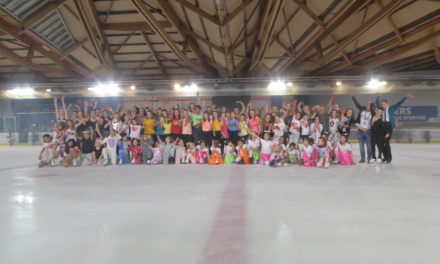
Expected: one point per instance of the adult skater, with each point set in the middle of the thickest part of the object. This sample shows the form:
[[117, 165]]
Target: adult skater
[[363, 124], [389, 121]]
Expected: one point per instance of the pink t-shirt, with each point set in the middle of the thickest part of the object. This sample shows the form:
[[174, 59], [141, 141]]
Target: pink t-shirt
[[225, 133], [254, 124], [186, 128], [206, 126]]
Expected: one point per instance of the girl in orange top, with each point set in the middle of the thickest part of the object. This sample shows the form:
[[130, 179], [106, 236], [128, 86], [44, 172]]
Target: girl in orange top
[[207, 129], [186, 127], [216, 153], [242, 153]]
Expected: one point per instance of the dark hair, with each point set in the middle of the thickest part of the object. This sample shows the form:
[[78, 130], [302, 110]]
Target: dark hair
[[292, 145], [198, 106], [384, 101], [67, 147], [47, 136]]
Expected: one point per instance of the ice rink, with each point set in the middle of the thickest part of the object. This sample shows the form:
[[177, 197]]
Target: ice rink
[[199, 214]]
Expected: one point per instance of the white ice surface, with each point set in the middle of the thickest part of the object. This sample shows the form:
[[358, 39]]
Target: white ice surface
[[165, 214]]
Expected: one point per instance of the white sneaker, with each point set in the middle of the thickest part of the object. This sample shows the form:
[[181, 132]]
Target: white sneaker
[[378, 161], [106, 162], [372, 161], [52, 163], [74, 162]]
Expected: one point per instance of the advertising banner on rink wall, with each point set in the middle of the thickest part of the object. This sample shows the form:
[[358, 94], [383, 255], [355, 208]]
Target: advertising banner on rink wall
[[416, 114]]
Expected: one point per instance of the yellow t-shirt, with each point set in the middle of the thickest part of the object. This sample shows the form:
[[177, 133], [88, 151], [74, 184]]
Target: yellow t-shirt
[[243, 129], [217, 125], [166, 128], [148, 127]]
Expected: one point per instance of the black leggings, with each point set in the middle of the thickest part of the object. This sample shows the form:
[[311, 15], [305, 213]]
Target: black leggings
[[187, 138], [233, 136], [174, 136], [377, 140], [207, 137]]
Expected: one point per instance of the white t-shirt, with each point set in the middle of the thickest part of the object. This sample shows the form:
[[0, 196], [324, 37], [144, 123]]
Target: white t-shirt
[[305, 128], [295, 126], [254, 143], [70, 134], [202, 149], [112, 142], [308, 150], [278, 129], [266, 146], [135, 131], [238, 147], [218, 150], [228, 150], [333, 125], [365, 121], [344, 148], [316, 131]]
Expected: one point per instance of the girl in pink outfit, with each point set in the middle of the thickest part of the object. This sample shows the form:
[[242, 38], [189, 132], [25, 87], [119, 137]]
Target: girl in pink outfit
[[202, 153], [344, 152], [307, 154], [266, 147], [224, 130], [323, 153]]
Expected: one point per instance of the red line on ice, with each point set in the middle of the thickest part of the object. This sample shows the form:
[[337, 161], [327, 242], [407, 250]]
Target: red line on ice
[[227, 243]]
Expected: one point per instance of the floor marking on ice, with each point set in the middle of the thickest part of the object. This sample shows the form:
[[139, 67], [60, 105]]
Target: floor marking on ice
[[226, 243], [44, 175]]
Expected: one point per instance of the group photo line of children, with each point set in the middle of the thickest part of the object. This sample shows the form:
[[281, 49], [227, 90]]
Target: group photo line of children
[[87, 134]]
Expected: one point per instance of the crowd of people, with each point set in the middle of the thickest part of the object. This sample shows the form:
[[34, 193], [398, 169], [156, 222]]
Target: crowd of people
[[87, 135]]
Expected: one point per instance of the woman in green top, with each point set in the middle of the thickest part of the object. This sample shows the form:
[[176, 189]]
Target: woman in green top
[[196, 119]]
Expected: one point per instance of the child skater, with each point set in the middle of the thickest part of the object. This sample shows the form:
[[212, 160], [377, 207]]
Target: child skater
[[295, 129], [216, 153], [147, 148], [98, 158], [87, 143], [157, 153], [167, 148], [254, 147], [307, 154], [202, 153], [71, 154], [266, 147], [135, 150], [109, 152], [305, 128], [334, 128], [179, 146], [123, 150], [277, 158], [293, 154], [229, 152], [191, 153], [316, 129], [242, 153], [46, 153], [323, 153], [344, 152]]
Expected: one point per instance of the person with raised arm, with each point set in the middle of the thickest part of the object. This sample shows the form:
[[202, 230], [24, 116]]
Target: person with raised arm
[[363, 124], [389, 121]]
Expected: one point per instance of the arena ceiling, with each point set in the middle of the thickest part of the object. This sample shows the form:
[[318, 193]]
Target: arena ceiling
[[56, 41]]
